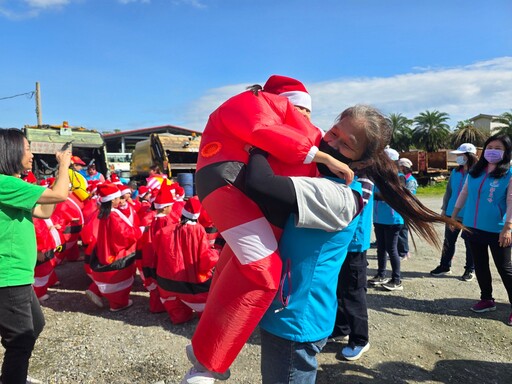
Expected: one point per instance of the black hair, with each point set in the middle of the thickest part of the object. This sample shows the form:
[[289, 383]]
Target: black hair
[[502, 167], [105, 209], [12, 150]]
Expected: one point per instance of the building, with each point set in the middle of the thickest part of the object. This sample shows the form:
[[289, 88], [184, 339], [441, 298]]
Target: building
[[486, 123]]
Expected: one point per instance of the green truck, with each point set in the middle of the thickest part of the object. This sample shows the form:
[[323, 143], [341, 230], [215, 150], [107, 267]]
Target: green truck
[[46, 140]]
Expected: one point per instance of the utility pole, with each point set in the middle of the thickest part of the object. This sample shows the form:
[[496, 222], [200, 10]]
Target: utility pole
[[38, 106]]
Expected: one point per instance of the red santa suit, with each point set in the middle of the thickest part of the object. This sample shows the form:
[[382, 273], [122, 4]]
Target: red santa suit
[[248, 282], [48, 239], [112, 261], [89, 236], [185, 262], [71, 222], [146, 215], [163, 200]]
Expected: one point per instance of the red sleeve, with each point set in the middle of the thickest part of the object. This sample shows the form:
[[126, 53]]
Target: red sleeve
[[122, 235], [271, 123]]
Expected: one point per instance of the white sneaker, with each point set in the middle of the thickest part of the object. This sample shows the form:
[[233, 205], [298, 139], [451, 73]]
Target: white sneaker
[[195, 376], [31, 380], [43, 298], [201, 368], [94, 298]]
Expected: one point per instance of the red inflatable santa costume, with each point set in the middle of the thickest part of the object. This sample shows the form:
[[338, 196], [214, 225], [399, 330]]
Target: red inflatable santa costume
[[247, 282], [185, 262], [112, 261], [71, 222], [48, 239]]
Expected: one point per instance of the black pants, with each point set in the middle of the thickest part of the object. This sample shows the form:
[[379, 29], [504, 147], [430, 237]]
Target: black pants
[[21, 322], [403, 241], [352, 314], [502, 260], [387, 244]]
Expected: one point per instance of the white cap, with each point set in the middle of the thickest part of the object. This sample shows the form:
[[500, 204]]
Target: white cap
[[465, 148], [404, 162], [392, 154]]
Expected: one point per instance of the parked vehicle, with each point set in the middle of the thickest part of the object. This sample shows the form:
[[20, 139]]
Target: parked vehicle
[[46, 140], [172, 153]]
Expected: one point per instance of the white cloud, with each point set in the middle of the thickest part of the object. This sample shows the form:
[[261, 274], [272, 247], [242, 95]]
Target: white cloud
[[462, 92], [46, 3], [193, 3]]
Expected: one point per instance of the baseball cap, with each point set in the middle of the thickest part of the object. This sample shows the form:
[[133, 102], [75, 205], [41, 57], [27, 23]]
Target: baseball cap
[[465, 148]]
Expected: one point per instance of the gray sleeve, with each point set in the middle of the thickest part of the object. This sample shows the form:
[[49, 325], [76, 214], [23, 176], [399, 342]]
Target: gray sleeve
[[324, 204]]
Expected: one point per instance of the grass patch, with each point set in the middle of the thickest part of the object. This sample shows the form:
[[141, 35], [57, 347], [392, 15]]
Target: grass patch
[[437, 189]]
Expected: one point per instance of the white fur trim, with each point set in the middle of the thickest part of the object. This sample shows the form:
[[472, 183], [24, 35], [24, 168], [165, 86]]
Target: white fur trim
[[162, 206], [302, 99], [189, 215], [110, 197]]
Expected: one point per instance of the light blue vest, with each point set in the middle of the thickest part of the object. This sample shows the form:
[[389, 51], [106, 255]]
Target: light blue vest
[[362, 235], [315, 258], [457, 179], [384, 214], [486, 204]]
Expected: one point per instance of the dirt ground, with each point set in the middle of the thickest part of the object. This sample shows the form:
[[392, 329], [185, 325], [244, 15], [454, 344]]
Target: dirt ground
[[425, 334]]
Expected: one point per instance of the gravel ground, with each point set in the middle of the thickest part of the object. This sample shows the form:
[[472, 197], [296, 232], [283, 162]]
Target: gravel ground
[[425, 334]]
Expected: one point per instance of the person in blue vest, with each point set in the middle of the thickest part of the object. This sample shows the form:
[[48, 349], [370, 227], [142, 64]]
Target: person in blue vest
[[487, 199], [405, 169], [321, 216], [387, 223], [466, 158], [352, 315]]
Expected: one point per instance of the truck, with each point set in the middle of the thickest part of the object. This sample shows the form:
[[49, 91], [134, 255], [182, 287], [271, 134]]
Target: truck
[[174, 154], [46, 140], [429, 166]]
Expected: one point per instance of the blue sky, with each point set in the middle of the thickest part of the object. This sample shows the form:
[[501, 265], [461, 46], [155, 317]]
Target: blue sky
[[128, 64]]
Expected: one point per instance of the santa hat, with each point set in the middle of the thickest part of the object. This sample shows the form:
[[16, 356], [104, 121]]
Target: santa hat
[[92, 186], [30, 177], [192, 208], [164, 197], [179, 193], [125, 189], [115, 179], [77, 160], [143, 190], [293, 89], [108, 192]]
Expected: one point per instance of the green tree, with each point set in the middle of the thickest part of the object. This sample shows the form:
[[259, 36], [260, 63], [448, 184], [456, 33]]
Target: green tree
[[431, 130], [466, 132], [402, 131], [506, 119]]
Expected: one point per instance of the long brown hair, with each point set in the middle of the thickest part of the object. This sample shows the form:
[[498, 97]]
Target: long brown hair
[[382, 170]]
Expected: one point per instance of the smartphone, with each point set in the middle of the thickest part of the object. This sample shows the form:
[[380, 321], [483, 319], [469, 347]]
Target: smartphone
[[66, 146]]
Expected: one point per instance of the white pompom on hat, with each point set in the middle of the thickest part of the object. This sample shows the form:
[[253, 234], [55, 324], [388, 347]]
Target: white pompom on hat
[[288, 87], [108, 192], [192, 208]]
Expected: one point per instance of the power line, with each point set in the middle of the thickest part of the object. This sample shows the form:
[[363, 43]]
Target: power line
[[21, 94]]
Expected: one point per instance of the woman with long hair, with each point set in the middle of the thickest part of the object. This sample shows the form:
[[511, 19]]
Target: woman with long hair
[[21, 318], [487, 201], [466, 158], [321, 215]]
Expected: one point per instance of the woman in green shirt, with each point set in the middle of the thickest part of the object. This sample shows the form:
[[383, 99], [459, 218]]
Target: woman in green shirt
[[21, 318]]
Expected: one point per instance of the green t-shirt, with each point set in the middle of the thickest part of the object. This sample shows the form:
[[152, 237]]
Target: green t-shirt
[[18, 249]]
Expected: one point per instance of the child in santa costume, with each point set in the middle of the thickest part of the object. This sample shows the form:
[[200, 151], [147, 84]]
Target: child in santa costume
[[163, 205], [179, 202], [248, 274], [146, 213], [112, 261], [185, 264]]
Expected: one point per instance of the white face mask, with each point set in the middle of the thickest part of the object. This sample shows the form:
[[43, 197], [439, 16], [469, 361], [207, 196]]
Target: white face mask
[[461, 160]]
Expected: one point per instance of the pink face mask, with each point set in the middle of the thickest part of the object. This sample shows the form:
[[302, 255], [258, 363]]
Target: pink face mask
[[493, 156]]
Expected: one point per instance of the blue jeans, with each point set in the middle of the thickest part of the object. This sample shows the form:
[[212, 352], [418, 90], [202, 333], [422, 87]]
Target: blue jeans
[[288, 362], [21, 322], [403, 241], [387, 244], [450, 238]]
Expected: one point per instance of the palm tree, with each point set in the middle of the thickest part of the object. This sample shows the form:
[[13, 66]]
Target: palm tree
[[431, 131], [466, 132], [402, 131], [505, 119]]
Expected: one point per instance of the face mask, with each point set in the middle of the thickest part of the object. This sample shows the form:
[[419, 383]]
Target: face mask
[[461, 160], [326, 148], [493, 156]]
